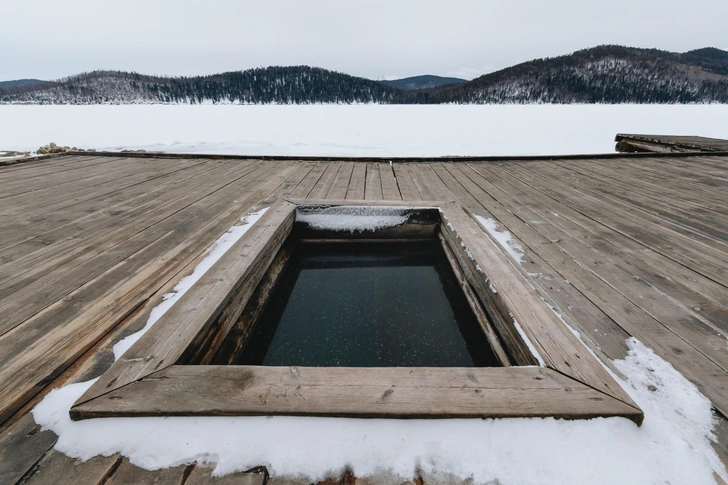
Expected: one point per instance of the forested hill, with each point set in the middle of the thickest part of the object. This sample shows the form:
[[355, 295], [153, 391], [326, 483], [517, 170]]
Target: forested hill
[[422, 82], [294, 85], [605, 74]]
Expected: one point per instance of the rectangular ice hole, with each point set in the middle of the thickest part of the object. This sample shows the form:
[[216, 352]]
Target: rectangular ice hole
[[367, 304]]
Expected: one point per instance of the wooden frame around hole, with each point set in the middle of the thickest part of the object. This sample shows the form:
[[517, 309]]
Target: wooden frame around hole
[[571, 383]]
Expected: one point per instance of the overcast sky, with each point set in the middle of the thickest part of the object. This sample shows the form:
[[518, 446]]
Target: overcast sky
[[373, 38]]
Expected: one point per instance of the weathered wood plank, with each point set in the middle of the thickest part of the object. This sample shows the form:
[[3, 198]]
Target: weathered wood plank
[[242, 266], [628, 282], [341, 182], [90, 236], [58, 469], [665, 196], [373, 187], [405, 182], [21, 447], [128, 474], [326, 182], [25, 302], [646, 229], [357, 183], [474, 302], [664, 268], [70, 327], [309, 181], [710, 378], [390, 190], [668, 143], [558, 347], [357, 392], [203, 476]]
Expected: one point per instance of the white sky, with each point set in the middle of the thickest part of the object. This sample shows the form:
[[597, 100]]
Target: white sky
[[373, 38]]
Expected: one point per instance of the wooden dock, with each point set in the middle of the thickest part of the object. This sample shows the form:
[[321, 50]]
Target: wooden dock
[[621, 245], [669, 144]]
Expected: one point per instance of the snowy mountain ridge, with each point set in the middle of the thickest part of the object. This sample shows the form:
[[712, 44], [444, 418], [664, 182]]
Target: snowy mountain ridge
[[604, 74]]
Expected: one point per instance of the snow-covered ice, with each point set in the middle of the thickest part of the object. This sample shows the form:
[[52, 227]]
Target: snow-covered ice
[[353, 130], [352, 218]]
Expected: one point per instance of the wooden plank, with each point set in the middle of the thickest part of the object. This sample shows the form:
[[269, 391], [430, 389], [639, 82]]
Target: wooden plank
[[341, 182], [70, 328], [91, 235], [405, 182], [26, 224], [713, 248], [128, 474], [58, 469], [473, 301], [45, 166], [243, 265], [29, 227], [669, 270], [390, 189], [307, 184], [711, 380], [665, 186], [684, 286], [670, 142], [326, 182], [51, 174], [229, 346], [559, 348], [644, 228], [693, 217], [357, 183], [435, 184], [373, 187], [301, 170], [356, 392], [553, 287], [26, 300], [610, 267], [422, 186], [203, 476], [21, 447], [37, 202], [518, 351]]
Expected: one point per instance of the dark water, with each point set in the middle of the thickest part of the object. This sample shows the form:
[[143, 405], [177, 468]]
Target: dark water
[[368, 305]]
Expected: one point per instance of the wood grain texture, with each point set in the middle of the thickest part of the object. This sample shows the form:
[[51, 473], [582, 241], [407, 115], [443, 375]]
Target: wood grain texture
[[560, 349], [668, 143], [203, 476], [66, 329], [21, 447], [128, 474], [357, 392], [238, 271], [58, 469]]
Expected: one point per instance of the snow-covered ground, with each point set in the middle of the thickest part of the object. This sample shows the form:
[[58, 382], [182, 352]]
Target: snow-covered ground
[[353, 130]]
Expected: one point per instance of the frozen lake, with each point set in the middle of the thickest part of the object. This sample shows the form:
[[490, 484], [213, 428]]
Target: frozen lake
[[353, 130]]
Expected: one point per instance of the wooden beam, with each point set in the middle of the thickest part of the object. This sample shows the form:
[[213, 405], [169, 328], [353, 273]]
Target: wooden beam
[[399, 392]]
